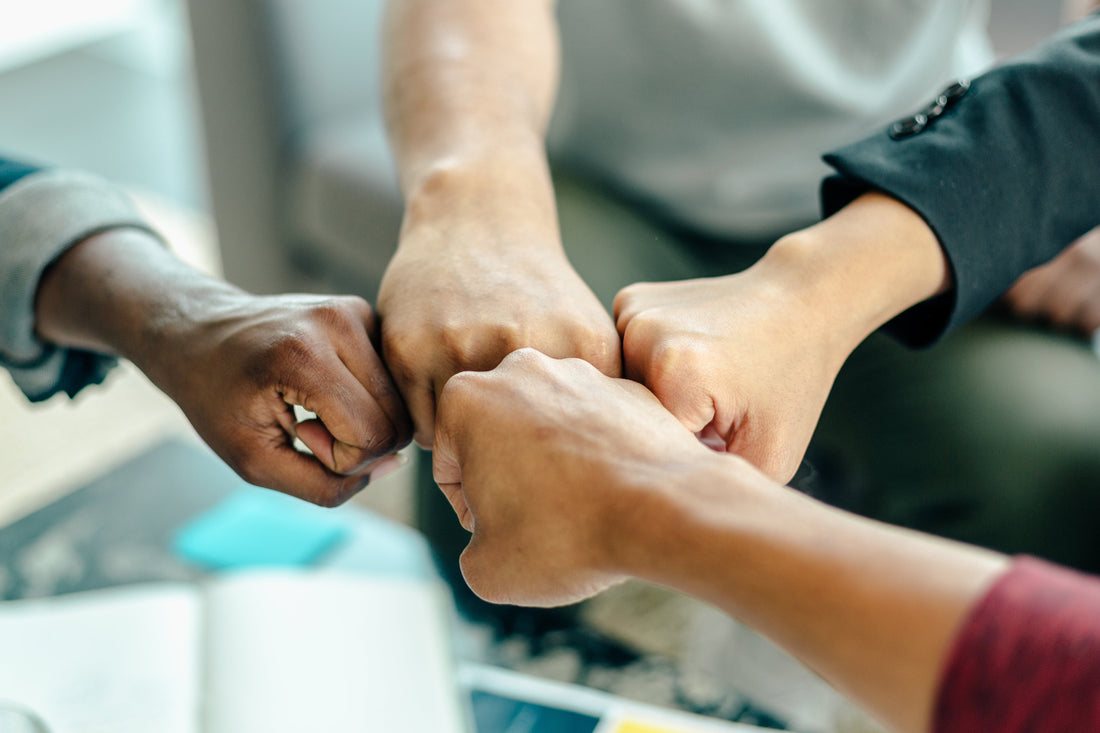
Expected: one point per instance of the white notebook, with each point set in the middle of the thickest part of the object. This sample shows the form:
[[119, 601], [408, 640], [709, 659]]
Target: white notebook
[[259, 651]]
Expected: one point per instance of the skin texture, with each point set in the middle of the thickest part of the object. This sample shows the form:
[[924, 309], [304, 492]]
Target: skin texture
[[571, 481], [1064, 292], [750, 358], [237, 363], [479, 269]]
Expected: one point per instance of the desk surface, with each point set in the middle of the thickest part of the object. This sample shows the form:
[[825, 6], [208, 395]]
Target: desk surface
[[117, 529]]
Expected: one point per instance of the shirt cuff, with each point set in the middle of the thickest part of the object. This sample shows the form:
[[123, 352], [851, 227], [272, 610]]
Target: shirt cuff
[[41, 216]]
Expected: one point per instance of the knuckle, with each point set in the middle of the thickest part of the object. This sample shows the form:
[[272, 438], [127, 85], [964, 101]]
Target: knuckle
[[525, 358], [291, 350], [328, 498], [625, 304], [337, 492], [456, 336], [646, 328], [347, 458], [341, 316], [462, 388], [673, 362], [356, 312], [633, 292], [600, 340], [402, 351]]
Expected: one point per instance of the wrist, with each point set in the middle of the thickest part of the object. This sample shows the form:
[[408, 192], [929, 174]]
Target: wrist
[[855, 271], [122, 292], [172, 326], [648, 532], [511, 193]]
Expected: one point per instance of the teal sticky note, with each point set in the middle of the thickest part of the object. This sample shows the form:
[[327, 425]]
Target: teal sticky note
[[255, 527]]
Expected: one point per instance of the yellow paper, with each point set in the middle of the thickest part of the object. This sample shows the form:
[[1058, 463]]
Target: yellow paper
[[632, 727]]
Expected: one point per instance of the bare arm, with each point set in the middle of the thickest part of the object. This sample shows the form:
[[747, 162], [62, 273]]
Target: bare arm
[[235, 363], [469, 87], [571, 481], [871, 608], [479, 270]]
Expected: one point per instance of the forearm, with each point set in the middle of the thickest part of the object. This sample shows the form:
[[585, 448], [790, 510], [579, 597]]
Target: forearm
[[858, 269], [120, 292], [469, 89], [871, 608]]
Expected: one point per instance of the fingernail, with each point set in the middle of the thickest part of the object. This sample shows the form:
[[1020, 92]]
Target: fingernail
[[385, 466]]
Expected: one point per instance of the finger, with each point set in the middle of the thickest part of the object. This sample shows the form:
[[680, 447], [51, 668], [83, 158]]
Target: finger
[[672, 375], [1026, 296], [601, 352], [604, 354], [354, 429], [457, 500], [292, 472], [449, 442], [361, 358], [711, 438], [1088, 320], [316, 437], [446, 467], [1070, 297], [636, 350], [415, 387], [630, 301], [623, 309], [1085, 318]]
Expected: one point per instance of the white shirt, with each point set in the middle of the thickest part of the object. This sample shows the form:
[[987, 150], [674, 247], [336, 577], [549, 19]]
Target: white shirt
[[717, 111]]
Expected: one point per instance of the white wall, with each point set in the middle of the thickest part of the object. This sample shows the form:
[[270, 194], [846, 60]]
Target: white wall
[[32, 29]]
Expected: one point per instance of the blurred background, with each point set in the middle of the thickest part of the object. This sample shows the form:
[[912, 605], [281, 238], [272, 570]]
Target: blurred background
[[109, 86]]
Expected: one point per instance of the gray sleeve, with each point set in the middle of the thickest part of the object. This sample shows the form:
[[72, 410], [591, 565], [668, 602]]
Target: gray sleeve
[[41, 216]]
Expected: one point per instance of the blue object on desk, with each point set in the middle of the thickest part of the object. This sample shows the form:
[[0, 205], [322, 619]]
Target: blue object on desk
[[255, 527], [495, 712], [380, 546]]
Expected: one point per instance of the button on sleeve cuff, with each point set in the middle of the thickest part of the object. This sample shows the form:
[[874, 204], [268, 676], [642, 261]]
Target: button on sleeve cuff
[[1006, 176]]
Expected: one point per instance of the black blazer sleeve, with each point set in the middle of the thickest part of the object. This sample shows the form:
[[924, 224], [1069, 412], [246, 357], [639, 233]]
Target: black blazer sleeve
[[1006, 172]]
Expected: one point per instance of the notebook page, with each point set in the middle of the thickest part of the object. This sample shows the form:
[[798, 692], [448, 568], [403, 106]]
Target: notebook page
[[291, 652], [112, 661]]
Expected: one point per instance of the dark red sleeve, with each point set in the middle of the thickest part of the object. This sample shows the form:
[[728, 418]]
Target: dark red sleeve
[[1028, 658]]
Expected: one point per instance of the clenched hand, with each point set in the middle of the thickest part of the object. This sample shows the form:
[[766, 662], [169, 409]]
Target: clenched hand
[[1064, 292], [448, 308], [542, 460]]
